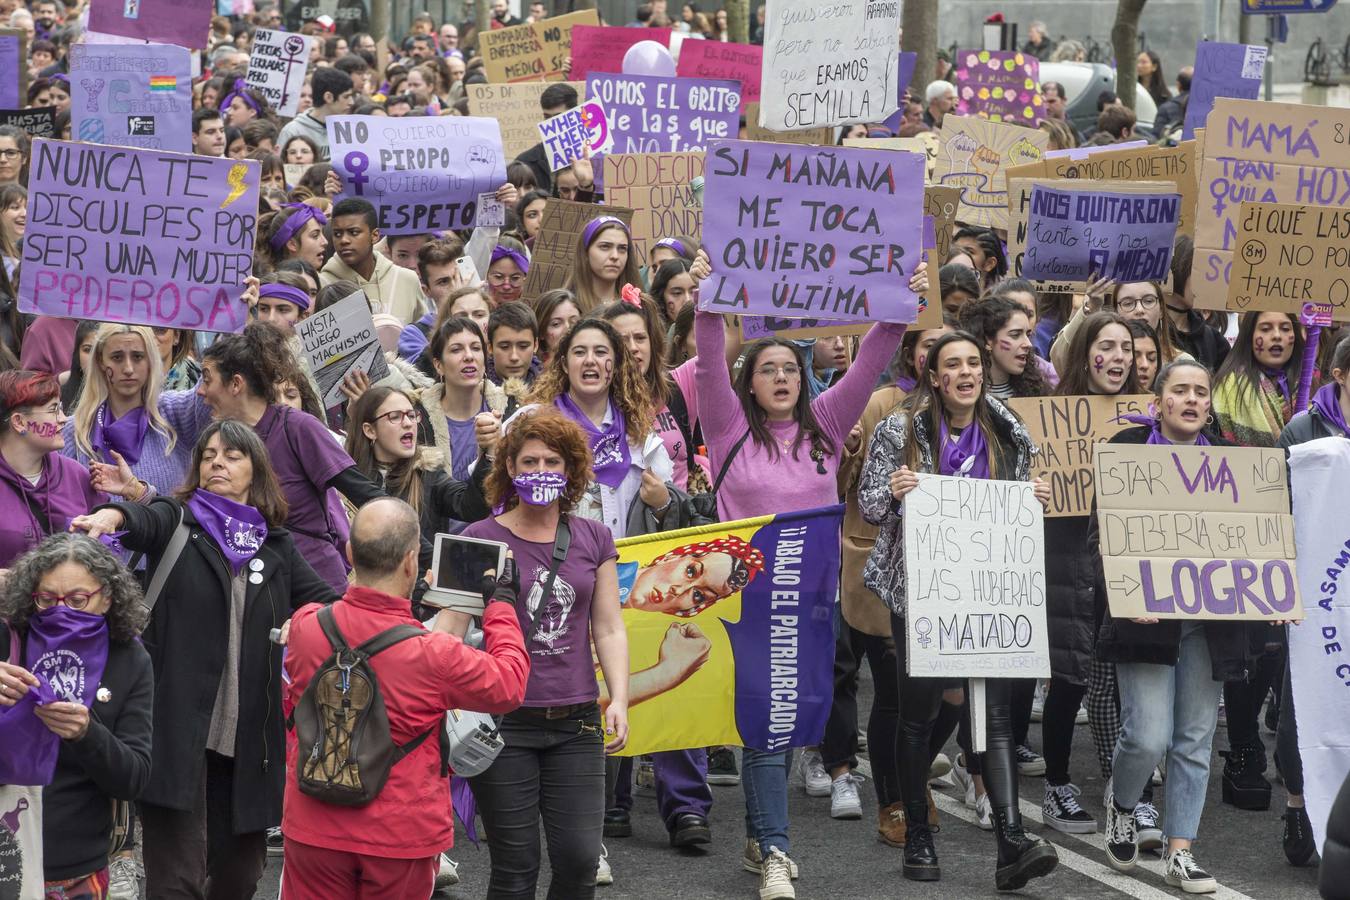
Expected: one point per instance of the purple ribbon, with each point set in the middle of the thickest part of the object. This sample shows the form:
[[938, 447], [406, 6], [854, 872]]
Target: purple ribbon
[[589, 232], [1327, 401], [609, 446], [239, 90], [501, 251], [673, 243], [297, 220], [125, 435], [967, 456], [1280, 378], [237, 528], [285, 292]]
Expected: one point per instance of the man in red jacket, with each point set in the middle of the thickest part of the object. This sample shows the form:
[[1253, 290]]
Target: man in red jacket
[[389, 848]]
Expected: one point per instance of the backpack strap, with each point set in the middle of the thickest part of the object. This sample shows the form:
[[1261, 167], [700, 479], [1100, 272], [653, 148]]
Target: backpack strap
[[562, 542], [679, 410], [726, 463], [172, 550]]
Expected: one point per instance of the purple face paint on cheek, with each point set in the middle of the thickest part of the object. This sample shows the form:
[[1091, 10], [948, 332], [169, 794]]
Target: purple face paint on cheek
[[1260, 343], [923, 361], [1098, 361], [609, 367], [43, 429], [946, 383], [1170, 404]]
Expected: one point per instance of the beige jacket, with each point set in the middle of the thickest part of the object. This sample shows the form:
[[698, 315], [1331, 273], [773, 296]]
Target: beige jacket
[[431, 403], [391, 289]]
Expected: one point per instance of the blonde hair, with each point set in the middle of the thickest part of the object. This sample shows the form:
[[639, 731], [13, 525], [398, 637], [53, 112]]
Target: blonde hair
[[95, 389]]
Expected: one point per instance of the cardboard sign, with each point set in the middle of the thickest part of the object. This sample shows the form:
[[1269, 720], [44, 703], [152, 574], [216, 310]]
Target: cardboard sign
[[184, 23], [294, 172], [727, 61], [999, 85], [601, 48], [656, 186], [132, 95], [13, 68], [276, 68], [422, 173], [1291, 255], [755, 132], [939, 204], [649, 114], [802, 232], [567, 136], [975, 592], [338, 340], [1065, 430], [974, 155], [38, 123], [1196, 532], [532, 52], [555, 246], [1266, 153], [123, 235], [1222, 70], [925, 143], [829, 65], [1076, 234], [516, 109]]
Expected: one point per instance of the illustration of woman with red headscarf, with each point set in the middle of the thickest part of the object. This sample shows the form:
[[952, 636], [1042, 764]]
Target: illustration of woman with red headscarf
[[687, 580]]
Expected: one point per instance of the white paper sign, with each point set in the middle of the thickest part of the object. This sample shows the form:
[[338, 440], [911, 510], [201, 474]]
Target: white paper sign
[[829, 64], [276, 67], [338, 340], [491, 213], [975, 579]]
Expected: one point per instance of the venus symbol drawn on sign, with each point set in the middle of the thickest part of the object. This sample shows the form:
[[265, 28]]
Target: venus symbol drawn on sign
[[294, 46], [356, 164]]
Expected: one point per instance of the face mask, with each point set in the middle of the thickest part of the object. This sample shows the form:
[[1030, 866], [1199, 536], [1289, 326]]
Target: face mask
[[539, 488]]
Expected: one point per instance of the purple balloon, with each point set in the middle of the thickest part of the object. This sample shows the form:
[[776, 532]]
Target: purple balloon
[[648, 58]]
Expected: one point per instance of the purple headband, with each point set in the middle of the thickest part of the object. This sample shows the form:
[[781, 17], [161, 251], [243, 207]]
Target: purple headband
[[285, 292], [239, 90], [501, 251], [589, 232], [303, 214], [673, 243], [62, 77]]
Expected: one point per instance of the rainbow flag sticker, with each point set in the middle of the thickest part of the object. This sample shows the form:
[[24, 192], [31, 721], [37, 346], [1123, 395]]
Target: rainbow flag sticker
[[163, 83]]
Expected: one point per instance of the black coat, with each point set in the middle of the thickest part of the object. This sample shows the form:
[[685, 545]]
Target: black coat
[[1072, 608], [186, 638], [1308, 425]]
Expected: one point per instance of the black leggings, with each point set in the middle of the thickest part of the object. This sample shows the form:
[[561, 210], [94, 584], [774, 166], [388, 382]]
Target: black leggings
[[1243, 700], [1062, 701], [840, 743]]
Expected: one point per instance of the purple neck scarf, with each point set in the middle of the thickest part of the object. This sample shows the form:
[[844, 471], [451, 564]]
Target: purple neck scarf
[[1279, 378], [125, 435], [906, 383], [965, 457], [238, 529], [609, 446], [1155, 435], [1327, 401]]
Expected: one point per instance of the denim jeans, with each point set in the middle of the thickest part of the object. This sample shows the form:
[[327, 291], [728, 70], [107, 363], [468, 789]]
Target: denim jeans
[[1169, 710], [764, 777]]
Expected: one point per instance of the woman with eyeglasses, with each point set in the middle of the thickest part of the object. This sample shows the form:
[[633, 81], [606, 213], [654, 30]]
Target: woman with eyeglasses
[[507, 271], [460, 414], [604, 263], [1142, 300], [14, 149]]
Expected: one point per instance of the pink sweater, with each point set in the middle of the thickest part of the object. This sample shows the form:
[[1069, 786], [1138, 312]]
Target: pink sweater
[[756, 483]]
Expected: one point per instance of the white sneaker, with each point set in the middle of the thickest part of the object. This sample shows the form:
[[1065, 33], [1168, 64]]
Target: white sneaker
[[844, 800], [1181, 870], [123, 883], [942, 764], [603, 873], [1157, 776], [753, 861], [984, 815], [447, 872], [775, 877], [813, 773], [1038, 702], [963, 782], [276, 842]]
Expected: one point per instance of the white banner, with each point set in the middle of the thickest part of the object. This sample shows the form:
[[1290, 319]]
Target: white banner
[[276, 68], [1319, 649]]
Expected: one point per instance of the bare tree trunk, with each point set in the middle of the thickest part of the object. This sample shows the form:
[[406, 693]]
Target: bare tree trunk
[[738, 21], [379, 30], [1125, 45], [482, 18], [919, 24]]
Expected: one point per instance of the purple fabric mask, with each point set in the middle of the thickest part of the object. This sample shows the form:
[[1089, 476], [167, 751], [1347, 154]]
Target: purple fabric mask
[[539, 488], [1327, 401], [125, 435], [609, 446], [238, 529], [967, 456]]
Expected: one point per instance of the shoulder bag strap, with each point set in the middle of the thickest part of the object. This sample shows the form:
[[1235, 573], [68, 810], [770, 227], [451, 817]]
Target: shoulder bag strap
[[726, 463], [562, 542], [389, 637], [679, 410], [172, 550], [330, 629]]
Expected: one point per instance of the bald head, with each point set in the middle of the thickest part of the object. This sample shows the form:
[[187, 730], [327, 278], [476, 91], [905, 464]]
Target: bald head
[[384, 532]]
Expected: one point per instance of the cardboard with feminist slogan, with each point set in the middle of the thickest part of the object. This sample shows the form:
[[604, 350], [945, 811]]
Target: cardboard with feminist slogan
[[132, 95], [536, 51], [807, 232], [338, 340], [1000, 85], [753, 131], [140, 236], [715, 59], [1074, 234], [555, 246], [939, 204], [516, 109], [656, 186], [422, 173], [1222, 70], [975, 595], [974, 155], [184, 23], [276, 68], [1290, 255], [569, 135], [1196, 533], [828, 65], [601, 48], [13, 68], [925, 143], [1065, 430], [38, 123]]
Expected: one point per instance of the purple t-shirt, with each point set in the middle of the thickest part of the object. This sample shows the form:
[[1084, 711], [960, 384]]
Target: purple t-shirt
[[561, 672], [463, 447]]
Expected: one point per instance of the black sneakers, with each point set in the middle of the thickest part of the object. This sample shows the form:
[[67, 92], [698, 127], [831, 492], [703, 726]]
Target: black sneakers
[[1062, 812], [1122, 838], [1299, 847]]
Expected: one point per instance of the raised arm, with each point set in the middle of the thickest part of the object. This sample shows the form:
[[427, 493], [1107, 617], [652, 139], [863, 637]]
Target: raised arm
[[839, 408]]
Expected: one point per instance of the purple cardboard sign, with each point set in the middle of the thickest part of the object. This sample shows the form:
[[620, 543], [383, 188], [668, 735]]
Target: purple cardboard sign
[[117, 234], [1074, 235], [422, 173], [904, 75], [12, 66], [132, 95], [185, 23], [1222, 70], [601, 48], [806, 232], [715, 59], [1002, 85]]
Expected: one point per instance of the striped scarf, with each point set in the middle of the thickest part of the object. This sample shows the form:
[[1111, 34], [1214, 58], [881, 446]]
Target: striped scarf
[[1251, 418]]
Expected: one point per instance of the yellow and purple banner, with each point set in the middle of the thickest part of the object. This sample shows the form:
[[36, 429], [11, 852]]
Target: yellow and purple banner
[[731, 632]]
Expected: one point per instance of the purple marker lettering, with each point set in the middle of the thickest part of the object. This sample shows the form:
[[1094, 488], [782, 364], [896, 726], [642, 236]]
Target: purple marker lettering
[[43, 429]]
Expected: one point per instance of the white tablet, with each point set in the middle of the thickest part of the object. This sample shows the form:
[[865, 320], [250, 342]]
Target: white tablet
[[458, 565]]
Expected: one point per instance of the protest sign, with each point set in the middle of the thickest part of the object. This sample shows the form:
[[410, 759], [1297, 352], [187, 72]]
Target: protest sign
[[975, 590], [999, 85], [38, 123], [568, 135], [1065, 429], [491, 211], [754, 132], [516, 109], [925, 143], [829, 65], [601, 48], [904, 75], [276, 68], [715, 59], [656, 186], [13, 68], [973, 156], [751, 667], [132, 95], [1079, 233], [184, 23], [294, 172], [755, 327], [532, 52], [350, 17], [1082, 153], [422, 173], [1193, 532], [1268, 153], [152, 238], [806, 232], [338, 340], [940, 205], [1222, 70], [1290, 255], [649, 114], [555, 246]]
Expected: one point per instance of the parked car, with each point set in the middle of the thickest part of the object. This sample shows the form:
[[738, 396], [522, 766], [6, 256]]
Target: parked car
[[1083, 82]]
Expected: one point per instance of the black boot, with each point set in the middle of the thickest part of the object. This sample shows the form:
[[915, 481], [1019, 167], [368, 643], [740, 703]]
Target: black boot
[[1021, 856], [1299, 847], [921, 862], [1243, 784]]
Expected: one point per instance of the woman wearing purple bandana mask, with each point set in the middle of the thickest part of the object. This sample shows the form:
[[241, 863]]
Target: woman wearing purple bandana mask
[[218, 719], [605, 262], [296, 231], [950, 425]]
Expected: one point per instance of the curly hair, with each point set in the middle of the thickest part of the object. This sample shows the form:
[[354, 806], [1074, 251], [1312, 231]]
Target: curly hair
[[558, 433], [126, 613], [657, 381], [627, 388]]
